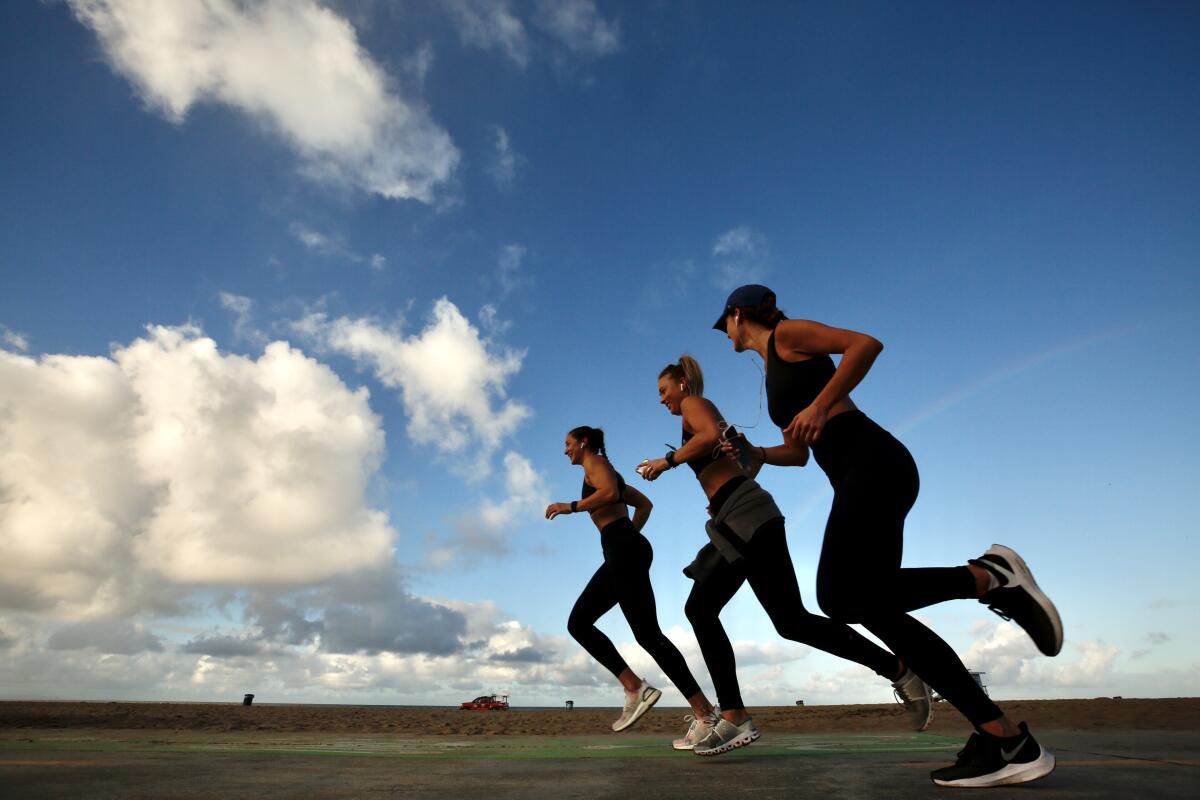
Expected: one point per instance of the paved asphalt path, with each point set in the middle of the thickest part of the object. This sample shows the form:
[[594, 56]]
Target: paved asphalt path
[[1141, 765]]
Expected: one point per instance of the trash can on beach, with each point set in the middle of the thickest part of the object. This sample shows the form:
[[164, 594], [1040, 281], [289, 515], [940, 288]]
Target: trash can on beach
[[248, 699]]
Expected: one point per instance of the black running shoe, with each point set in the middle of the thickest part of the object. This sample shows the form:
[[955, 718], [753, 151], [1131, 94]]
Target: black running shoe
[[1019, 599], [994, 761]]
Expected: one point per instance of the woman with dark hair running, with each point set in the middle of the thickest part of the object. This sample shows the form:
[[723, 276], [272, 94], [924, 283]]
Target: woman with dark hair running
[[623, 578], [747, 542], [875, 483]]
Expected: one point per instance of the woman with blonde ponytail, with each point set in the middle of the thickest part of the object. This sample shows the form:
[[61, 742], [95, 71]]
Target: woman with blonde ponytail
[[623, 578], [747, 542]]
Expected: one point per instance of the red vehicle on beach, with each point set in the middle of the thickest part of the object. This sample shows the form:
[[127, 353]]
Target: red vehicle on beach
[[494, 702]]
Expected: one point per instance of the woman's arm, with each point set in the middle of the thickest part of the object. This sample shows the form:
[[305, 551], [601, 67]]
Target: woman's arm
[[789, 454], [858, 350], [702, 418], [640, 504], [604, 478]]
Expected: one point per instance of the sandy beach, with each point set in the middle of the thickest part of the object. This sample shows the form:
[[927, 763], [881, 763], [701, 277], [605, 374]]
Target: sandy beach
[[1175, 714]]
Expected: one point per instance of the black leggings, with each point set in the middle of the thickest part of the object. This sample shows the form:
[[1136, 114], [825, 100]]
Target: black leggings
[[860, 579], [767, 565], [624, 578]]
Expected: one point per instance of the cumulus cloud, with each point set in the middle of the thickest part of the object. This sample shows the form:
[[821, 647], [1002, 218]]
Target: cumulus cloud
[[333, 247], [1009, 657], [294, 66], [106, 636], [740, 256], [578, 26], [128, 480], [451, 380], [491, 25]]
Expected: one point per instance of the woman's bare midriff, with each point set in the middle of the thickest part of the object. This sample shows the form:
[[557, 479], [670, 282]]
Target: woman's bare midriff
[[603, 517]]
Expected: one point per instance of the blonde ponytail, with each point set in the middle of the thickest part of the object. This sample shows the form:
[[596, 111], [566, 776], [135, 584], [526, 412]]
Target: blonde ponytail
[[688, 369]]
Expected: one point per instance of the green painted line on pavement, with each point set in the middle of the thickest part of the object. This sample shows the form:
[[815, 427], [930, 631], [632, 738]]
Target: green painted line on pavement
[[504, 749]]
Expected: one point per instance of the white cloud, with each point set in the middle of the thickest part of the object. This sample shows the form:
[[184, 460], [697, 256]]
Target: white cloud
[[10, 338], [578, 26], [1010, 659], [333, 247], [128, 480], [740, 257], [294, 66], [451, 380], [490, 321], [242, 308], [503, 168], [512, 256], [487, 530], [491, 25]]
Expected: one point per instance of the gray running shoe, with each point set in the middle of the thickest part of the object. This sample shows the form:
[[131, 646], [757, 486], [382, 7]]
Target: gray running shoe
[[725, 736], [696, 731], [912, 692], [636, 705], [1019, 599]]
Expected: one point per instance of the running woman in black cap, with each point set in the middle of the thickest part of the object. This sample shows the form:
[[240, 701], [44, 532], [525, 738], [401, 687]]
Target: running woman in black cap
[[748, 543], [875, 483], [623, 578]]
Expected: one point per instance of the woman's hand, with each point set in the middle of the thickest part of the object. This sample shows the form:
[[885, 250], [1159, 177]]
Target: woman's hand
[[757, 455], [554, 509], [806, 426], [652, 468]]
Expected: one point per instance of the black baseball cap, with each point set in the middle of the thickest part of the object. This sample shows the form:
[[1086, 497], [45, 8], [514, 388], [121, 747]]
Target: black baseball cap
[[749, 296]]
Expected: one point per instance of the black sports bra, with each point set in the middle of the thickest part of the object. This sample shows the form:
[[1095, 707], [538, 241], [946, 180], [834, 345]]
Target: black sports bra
[[700, 462], [793, 385], [589, 490]]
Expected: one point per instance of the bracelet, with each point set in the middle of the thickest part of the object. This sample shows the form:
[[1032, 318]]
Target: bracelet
[[574, 506], [670, 459], [763, 450]]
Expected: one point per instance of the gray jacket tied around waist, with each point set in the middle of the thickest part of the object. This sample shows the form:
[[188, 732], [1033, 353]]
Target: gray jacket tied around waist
[[747, 509]]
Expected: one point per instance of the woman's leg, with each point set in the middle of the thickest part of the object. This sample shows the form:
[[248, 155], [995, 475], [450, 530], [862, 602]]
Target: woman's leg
[[597, 599], [629, 567], [773, 579], [859, 580], [709, 595]]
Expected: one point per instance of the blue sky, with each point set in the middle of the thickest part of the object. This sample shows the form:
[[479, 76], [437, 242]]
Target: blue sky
[[297, 301]]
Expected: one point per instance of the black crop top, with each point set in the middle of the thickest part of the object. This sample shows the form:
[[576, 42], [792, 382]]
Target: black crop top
[[700, 462], [589, 490], [793, 385]]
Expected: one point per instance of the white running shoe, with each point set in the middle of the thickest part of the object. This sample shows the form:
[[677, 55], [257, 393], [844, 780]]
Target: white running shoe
[[696, 731], [912, 692], [725, 736], [636, 705]]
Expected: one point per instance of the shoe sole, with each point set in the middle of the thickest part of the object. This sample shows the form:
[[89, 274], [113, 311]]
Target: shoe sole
[[1026, 581], [741, 740], [1007, 775], [683, 746], [643, 706], [928, 718]]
